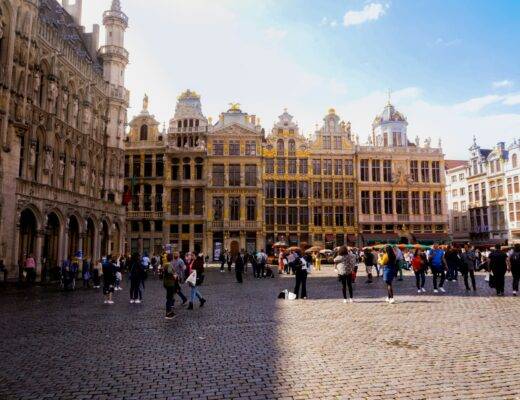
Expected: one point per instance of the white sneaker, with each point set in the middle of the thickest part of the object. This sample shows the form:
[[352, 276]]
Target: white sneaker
[[105, 302], [351, 300], [138, 301], [435, 291], [391, 301], [514, 292], [132, 301], [110, 301], [423, 290], [419, 291], [344, 300], [442, 290], [387, 299]]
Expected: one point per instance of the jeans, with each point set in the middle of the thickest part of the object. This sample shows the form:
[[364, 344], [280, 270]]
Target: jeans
[[261, 270], [516, 278], [194, 293], [170, 291], [452, 272], [471, 274], [301, 279], [135, 290], [182, 296], [420, 278], [346, 280], [222, 263], [255, 270], [437, 273]]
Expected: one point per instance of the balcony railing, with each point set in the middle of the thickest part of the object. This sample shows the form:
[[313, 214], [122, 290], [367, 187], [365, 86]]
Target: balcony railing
[[114, 50], [145, 214]]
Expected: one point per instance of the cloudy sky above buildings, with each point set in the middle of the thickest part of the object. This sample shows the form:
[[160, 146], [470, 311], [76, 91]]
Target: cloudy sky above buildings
[[452, 67]]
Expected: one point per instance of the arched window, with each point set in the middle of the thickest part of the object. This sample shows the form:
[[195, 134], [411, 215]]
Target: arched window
[[37, 156], [144, 132], [292, 147], [251, 209], [280, 149], [186, 169], [515, 160]]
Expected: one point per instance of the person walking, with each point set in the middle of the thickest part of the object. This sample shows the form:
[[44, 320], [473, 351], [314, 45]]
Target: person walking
[[171, 283], [97, 272], [368, 258], [389, 263], [452, 260], [222, 260], [345, 262], [400, 262], [438, 267], [419, 269], [30, 269], [179, 267], [192, 283], [239, 266], [109, 279], [514, 267], [229, 260], [300, 272], [85, 272], [468, 267], [136, 271], [261, 260], [498, 266]]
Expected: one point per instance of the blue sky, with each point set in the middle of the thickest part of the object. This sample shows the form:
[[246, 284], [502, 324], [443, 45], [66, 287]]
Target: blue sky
[[453, 67]]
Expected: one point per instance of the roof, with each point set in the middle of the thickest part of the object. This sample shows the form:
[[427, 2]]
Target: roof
[[450, 164], [485, 152]]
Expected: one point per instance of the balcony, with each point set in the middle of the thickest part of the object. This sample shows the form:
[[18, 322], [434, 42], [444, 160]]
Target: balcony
[[234, 225], [111, 50], [188, 129], [120, 93], [145, 214]]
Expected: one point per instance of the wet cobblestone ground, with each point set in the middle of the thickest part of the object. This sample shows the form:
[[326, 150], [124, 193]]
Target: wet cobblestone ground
[[246, 344]]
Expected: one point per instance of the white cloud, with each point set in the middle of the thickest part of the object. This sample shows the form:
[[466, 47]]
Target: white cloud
[[275, 33], [512, 99], [447, 43], [502, 84], [370, 12], [478, 103], [333, 24]]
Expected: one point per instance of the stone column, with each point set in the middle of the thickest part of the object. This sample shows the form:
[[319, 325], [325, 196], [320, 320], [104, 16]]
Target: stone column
[[40, 235]]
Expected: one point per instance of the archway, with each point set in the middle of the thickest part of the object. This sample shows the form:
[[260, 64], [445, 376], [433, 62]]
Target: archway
[[27, 238], [73, 237], [104, 239], [88, 242], [51, 246]]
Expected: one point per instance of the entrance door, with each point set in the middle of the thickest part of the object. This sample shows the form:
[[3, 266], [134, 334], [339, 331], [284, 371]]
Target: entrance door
[[51, 245], [27, 239], [234, 248]]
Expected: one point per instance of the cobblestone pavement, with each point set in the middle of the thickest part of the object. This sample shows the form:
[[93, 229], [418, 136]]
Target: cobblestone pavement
[[246, 344]]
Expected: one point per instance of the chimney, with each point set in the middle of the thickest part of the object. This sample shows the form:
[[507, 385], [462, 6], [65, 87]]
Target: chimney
[[94, 44], [73, 7]]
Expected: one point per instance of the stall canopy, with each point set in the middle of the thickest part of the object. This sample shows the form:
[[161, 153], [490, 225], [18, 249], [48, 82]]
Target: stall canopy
[[375, 238], [431, 238]]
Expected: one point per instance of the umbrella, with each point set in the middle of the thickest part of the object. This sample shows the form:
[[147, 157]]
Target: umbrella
[[294, 248], [326, 252], [313, 249], [280, 244]]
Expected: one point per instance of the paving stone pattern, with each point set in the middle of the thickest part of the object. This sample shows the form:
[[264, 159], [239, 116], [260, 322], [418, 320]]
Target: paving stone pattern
[[246, 344]]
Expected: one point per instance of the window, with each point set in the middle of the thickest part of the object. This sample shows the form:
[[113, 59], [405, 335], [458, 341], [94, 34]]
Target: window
[[304, 167], [401, 202], [387, 170], [461, 176], [427, 205], [280, 190], [158, 198], [251, 209], [292, 148], [136, 165], [186, 169], [328, 216], [316, 190], [318, 216], [316, 167], [327, 190], [234, 148], [349, 167], [454, 193], [218, 175], [509, 186], [281, 215], [143, 134], [250, 148], [415, 203], [269, 166], [269, 189], [280, 166], [389, 202], [269, 215], [280, 148], [339, 216], [327, 167], [234, 208], [349, 189], [292, 188], [338, 145], [218, 208], [514, 160], [365, 202], [338, 190], [349, 216], [470, 193], [199, 201], [303, 190], [463, 206], [364, 170], [425, 171], [175, 169], [516, 184], [250, 175], [147, 198], [456, 226], [186, 201], [304, 216], [218, 147], [234, 175], [127, 166], [292, 216], [376, 202], [291, 166], [453, 178], [338, 167], [462, 191], [376, 171], [456, 206], [326, 142], [148, 165], [199, 168], [436, 171], [158, 226], [159, 165], [414, 171], [437, 203]]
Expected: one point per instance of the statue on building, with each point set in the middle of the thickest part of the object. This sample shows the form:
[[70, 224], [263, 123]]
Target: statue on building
[[427, 142], [53, 96], [87, 116], [417, 141], [32, 155], [64, 103], [1, 30], [37, 82], [83, 174], [48, 160], [370, 140], [145, 102], [202, 144], [75, 109], [72, 171], [61, 167]]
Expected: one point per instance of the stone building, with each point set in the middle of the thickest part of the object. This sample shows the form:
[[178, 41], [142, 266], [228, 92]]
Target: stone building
[[62, 114], [401, 190], [457, 200]]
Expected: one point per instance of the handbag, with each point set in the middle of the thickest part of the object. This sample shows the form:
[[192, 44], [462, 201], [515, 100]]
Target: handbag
[[192, 279]]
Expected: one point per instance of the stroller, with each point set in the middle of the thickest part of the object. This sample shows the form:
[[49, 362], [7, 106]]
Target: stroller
[[68, 279]]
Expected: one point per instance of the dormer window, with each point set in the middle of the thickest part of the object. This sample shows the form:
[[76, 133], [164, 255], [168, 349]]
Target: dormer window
[[144, 132]]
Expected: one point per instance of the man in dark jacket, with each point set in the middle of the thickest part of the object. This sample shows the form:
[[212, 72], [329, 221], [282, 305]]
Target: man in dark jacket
[[498, 266], [239, 266], [514, 266]]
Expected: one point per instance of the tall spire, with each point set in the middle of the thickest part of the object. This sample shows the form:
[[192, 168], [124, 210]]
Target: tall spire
[[116, 5]]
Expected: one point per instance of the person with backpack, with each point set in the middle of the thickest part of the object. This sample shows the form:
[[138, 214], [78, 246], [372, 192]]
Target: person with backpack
[[261, 260], [345, 262], [109, 279], [514, 267], [171, 283], [418, 266], [498, 266], [389, 263], [469, 261], [299, 266], [438, 267]]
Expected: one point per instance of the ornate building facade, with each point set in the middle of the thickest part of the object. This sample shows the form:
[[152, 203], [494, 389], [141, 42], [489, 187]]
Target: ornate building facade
[[62, 114]]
